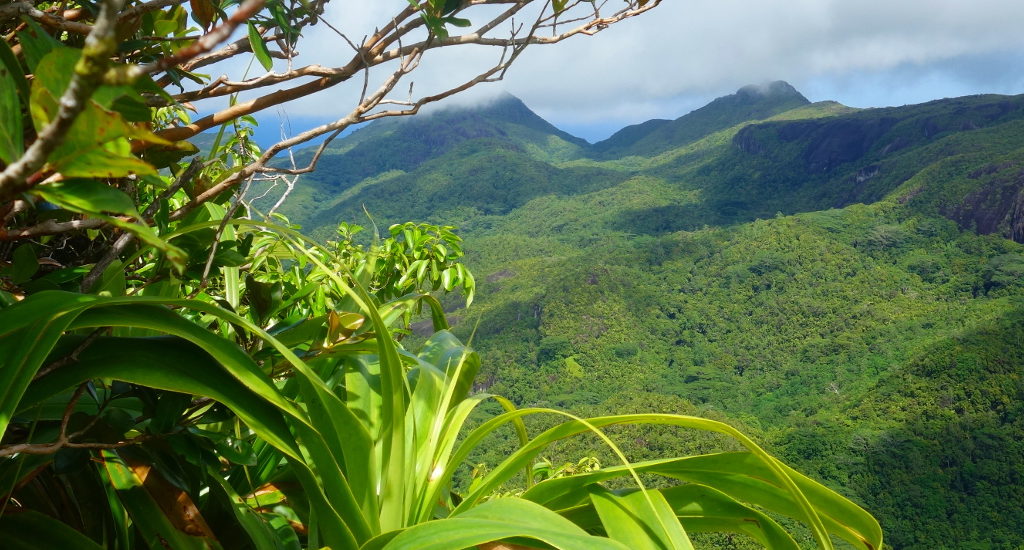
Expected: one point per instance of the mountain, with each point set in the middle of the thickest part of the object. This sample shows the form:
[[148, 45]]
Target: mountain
[[747, 104], [404, 144], [847, 284]]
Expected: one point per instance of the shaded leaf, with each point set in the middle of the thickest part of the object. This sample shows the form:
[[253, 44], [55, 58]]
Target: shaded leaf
[[204, 13], [82, 195], [35, 43], [11, 140], [24, 264], [30, 530]]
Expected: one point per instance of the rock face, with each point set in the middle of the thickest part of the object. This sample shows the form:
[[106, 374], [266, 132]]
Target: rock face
[[996, 207]]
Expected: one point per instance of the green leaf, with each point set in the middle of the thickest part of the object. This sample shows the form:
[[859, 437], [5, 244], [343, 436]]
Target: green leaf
[[54, 71], [703, 509], [148, 516], [641, 519], [24, 264], [740, 475], [28, 332], [11, 140], [96, 145], [30, 530], [495, 520], [458, 21], [87, 196], [263, 298], [14, 70], [259, 47], [35, 43]]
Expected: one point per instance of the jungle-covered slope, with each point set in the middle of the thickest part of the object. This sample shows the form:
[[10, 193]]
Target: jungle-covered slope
[[849, 283]]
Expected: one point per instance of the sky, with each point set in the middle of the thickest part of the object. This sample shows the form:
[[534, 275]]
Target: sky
[[684, 53]]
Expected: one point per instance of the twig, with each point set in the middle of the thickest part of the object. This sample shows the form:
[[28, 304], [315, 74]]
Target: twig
[[206, 43], [64, 439], [71, 357], [216, 238], [51, 227], [89, 71], [126, 239]]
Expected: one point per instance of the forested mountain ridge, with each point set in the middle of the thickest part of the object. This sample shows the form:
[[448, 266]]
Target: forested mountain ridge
[[747, 104], [848, 281]]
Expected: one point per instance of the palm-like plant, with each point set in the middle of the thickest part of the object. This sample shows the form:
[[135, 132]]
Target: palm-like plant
[[278, 410], [192, 378]]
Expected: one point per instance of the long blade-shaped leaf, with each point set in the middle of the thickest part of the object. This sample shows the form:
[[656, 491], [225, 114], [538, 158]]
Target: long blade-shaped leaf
[[496, 520], [148, 517], [740, 475], [29, 530], [702, 509], [632, 520], [772, 467]]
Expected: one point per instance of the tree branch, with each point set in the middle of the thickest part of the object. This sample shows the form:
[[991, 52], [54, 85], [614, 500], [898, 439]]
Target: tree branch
[[99, 46]]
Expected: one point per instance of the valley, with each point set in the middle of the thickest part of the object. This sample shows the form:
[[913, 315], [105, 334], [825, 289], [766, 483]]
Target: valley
[[847, 285]]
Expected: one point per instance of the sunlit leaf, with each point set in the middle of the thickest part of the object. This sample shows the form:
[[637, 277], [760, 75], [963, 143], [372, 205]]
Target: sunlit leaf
[[259, 47]]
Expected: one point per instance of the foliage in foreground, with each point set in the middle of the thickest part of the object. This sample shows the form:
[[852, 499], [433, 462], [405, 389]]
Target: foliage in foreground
[[178, 372], [281, 411]]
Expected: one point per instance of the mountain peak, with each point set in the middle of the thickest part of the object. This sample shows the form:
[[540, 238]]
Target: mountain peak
[[778, 89], [749, 103]]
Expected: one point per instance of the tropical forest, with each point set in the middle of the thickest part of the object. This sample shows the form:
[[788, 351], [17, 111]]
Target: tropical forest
[[765, 322]]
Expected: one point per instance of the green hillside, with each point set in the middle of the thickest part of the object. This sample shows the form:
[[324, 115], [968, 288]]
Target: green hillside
[[848, 283]]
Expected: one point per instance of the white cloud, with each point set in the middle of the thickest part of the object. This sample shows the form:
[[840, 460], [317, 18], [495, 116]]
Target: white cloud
[[687, 51], [696, 47]]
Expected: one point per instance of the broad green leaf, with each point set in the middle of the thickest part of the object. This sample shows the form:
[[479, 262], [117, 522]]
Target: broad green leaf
[[28, 332], [703, 509], [31, 530], [641, 519], [259, 47], [23, 264], [97, 143], [776, 472], [54, 71], [496, 520], [257, 529], [35, 43], [87, 196], [149, 363], [741, 476], [458, 21], [92, 198], [168, 364], [148, 516]]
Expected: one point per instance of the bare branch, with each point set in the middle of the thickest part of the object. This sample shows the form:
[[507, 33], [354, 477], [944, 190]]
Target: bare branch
[[58, 22], [51, 227], [64, 439], [207, 42], [372, 54], [146, 7]]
